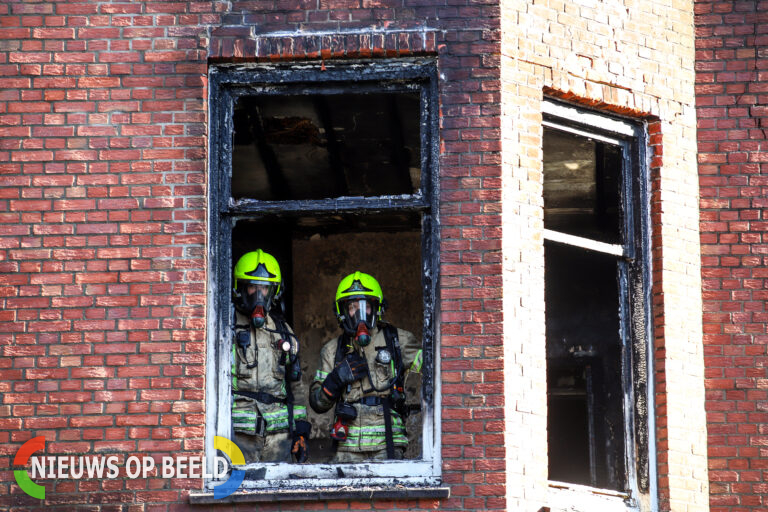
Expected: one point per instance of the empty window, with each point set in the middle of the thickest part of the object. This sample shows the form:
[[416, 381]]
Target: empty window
[[331, 169], [317, 146], [597, 300]]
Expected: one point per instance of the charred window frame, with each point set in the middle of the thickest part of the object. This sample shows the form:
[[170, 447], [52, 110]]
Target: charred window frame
[[229, 84], [598, 308]]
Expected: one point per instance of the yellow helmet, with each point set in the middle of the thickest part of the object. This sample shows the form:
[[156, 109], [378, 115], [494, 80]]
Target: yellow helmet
[[355, 287], [257, 268]]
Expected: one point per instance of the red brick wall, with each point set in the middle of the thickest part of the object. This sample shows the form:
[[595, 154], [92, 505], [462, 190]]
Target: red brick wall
[[732, 91], [102, 226], [102, 166]]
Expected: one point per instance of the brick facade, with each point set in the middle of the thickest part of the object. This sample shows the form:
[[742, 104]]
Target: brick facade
[[103, 173], [731, 94], [103, 237], [104, 149]]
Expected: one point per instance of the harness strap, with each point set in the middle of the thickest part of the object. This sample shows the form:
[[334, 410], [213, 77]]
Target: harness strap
[[393, 342], [262, 397], [388, 427], [280, 324], [370, 400], [289, 400]]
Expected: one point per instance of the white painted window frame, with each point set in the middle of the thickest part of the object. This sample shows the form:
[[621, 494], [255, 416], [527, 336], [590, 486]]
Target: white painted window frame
[[616, 131], [423, 472]]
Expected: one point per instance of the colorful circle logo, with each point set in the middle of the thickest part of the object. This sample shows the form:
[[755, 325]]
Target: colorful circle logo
[[21, 475], [236, 478]]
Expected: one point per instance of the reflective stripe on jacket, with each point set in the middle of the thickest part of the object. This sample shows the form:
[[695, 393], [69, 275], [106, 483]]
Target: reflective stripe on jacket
[[367, 432], [245, 419]]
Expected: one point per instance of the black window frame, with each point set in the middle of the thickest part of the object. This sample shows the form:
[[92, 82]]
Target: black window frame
[[226, 84], [633, 257]]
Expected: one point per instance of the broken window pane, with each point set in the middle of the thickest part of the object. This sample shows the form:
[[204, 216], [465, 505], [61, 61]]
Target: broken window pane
[[584, 363], [582, 186], [326, 145]]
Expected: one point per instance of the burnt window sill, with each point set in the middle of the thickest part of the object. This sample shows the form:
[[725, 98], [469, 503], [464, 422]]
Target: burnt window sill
[[581, 498], [323, 494]]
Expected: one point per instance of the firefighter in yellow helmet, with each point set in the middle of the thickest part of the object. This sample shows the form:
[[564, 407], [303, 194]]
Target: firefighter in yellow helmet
[[268, 411], [362, 374]]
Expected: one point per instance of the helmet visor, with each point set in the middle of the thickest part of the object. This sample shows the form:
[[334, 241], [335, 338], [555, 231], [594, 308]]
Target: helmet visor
[[359, 310], [257, 293]]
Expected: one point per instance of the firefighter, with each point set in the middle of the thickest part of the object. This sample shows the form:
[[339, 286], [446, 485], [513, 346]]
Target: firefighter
[[362, 373], [268, 411]]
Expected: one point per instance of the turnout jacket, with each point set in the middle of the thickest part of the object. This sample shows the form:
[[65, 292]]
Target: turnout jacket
[[367, 431], [258, 371]]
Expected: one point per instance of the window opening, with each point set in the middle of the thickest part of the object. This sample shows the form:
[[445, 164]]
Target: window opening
[[317, 252], [326, 145], [597, 299], [331, 169], [582, 187], [586, 422]]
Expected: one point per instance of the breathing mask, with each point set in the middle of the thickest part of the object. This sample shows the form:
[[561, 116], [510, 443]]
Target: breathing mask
[[358, 305], [360, 319], [257, 299]]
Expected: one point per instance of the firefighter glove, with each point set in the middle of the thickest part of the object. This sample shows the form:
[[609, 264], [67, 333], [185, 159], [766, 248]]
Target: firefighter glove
[[299, 447], [352, 368]]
